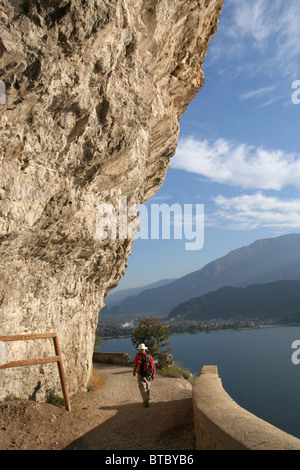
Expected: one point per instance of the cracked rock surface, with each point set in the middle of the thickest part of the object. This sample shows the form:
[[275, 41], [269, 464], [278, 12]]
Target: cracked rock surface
[[94, 93]]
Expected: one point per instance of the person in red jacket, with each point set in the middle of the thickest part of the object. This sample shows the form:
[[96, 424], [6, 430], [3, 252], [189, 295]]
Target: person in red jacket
[[144, 367]]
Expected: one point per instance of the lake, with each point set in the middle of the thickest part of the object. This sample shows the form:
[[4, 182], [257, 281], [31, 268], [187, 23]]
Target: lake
[[255, 367]]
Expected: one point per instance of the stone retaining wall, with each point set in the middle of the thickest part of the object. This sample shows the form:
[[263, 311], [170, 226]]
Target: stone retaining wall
[[111, 358], [221, 424], [124, 358]]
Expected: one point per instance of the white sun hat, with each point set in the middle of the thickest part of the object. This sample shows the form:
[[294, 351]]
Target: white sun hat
[[141, 346]]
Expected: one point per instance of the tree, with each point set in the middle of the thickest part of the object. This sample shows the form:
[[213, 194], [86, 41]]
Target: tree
[[98, 341], [152, 334]]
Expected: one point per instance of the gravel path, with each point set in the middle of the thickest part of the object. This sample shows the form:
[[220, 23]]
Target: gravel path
[[111, 418]]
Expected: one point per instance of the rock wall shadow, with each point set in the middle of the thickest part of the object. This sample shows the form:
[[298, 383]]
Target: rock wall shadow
[[162, 426]]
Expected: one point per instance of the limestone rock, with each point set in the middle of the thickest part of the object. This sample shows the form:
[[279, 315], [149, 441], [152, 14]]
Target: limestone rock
[[94, 93]]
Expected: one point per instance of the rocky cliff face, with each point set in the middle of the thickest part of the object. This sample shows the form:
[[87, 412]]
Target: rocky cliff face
[[94, 93]]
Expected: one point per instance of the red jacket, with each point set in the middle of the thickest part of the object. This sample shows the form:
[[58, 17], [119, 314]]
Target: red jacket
[[137, 361]]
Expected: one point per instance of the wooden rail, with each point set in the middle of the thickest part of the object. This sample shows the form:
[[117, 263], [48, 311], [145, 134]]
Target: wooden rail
[[44, 360]]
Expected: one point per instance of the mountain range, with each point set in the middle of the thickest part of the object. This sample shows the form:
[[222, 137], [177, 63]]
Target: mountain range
[[279, 301], [264, 261], [115, 298]]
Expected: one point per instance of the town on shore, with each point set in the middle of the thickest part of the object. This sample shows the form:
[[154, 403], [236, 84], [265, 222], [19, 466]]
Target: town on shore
[[118, 329]]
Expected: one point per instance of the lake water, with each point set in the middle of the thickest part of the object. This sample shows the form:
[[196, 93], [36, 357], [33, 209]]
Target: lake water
[[255, 367]]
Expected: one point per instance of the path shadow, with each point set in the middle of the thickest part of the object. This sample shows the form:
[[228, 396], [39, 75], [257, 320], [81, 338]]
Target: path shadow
[[162, 426], [121, 372]]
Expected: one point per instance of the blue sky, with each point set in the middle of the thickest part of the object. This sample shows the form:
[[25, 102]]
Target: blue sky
[[238, 153]]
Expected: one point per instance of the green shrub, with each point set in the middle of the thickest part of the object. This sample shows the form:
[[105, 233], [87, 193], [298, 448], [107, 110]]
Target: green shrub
[[176, 372]]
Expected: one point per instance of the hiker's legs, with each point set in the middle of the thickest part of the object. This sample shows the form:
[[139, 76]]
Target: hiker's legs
[[144, 386]]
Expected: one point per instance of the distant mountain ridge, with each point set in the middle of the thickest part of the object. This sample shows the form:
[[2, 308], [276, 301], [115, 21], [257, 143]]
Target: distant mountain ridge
[[264, 261], [114, 298], [279, 301]]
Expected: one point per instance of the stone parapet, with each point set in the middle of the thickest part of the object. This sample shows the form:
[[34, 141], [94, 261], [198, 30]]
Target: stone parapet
[[165, 360], [111, 358], [221, 424]]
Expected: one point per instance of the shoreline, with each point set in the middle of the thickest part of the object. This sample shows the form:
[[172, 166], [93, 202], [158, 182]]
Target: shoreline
[[210, 330]]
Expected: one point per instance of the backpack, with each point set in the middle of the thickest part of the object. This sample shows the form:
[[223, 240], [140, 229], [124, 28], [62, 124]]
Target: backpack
[[145, 365]]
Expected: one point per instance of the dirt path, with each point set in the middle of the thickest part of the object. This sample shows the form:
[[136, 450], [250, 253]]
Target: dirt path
[[111, 418]]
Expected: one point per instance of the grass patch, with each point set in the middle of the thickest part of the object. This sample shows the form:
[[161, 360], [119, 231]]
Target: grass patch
[[12, 397], [176, 372], [96, 381], [53, 398]]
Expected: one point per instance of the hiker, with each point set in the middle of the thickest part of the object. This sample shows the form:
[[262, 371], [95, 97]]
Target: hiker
[[145, 368]]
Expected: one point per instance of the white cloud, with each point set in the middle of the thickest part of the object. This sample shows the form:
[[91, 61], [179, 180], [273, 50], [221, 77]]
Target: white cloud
[[238, 164], [257, 93], [253, 19], [265, 32], [252, 211], [165, 197]]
